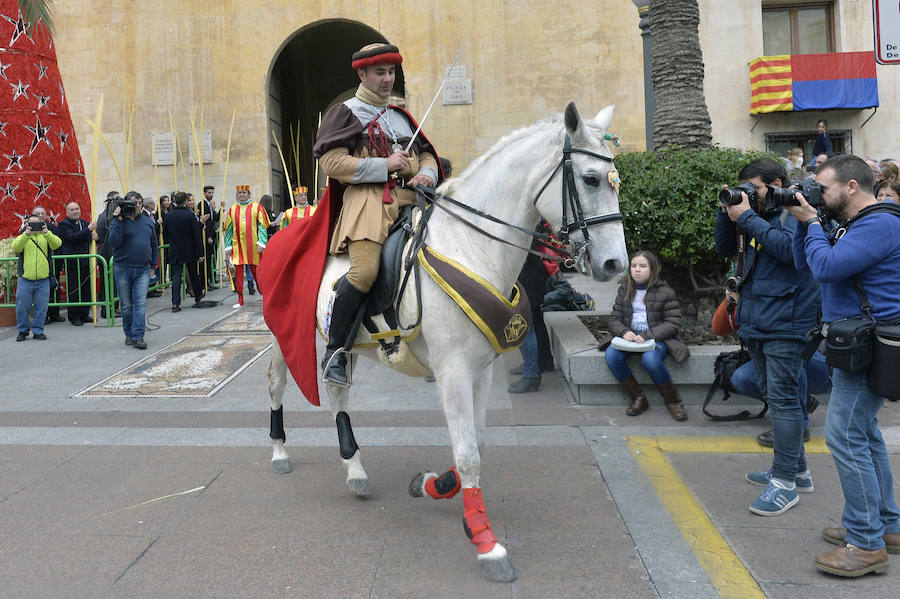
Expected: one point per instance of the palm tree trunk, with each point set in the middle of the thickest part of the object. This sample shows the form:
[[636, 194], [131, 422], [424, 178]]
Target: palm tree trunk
[[680, 117]]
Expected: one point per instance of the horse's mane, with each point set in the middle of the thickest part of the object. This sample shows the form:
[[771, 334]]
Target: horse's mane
[[515, 136]]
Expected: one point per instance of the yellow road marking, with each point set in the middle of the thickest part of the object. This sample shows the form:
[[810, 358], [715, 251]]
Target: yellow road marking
[[725, 570]]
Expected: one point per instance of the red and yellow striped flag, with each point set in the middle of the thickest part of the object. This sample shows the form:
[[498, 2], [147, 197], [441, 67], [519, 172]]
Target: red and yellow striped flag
[[770, 84]]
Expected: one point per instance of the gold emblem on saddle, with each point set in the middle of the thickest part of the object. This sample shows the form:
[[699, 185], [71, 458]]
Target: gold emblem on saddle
[[515, 328]]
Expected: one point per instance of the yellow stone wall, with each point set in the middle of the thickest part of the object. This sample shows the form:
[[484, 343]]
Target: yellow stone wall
[[527, 59]]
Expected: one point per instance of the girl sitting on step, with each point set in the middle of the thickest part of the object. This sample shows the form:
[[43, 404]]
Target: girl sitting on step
[[646, 308]]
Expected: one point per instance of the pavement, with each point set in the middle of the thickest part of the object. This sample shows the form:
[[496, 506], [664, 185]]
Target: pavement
[[128, 473]]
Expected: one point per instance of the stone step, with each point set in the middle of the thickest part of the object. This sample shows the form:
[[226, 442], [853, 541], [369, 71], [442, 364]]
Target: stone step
[[591, 382]]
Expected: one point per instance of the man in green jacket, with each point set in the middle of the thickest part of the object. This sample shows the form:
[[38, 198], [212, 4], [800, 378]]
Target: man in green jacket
[[33, 288]]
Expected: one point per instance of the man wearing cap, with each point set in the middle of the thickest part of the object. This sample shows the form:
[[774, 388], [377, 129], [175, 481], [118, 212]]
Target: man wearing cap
[[360, 147], [301, 208], [245, 237]]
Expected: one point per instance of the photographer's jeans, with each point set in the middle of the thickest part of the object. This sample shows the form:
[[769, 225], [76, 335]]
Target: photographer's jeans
[[32, 293], [815, 378], [778, 365], [531, 367], [860, 456], [132, 283], [651, 360]]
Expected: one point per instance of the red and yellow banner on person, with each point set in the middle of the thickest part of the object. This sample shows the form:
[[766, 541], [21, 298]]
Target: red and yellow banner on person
[[246, 219]]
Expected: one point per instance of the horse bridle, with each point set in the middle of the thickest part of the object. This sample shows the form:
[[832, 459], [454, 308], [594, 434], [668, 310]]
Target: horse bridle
[[571, 201]]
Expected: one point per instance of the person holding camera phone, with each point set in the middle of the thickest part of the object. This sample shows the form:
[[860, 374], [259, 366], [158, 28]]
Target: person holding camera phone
[[132, 237], [778, 305], [33, 245], [868, 253]]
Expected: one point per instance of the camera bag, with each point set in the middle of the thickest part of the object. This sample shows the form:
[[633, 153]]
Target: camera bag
[[724, 367], [883, 379], [849, 344]]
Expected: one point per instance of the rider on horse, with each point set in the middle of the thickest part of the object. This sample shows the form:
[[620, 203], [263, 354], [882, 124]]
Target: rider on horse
[[360, 147]]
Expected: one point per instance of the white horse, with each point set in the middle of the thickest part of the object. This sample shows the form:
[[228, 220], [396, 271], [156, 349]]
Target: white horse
[[518, 181]]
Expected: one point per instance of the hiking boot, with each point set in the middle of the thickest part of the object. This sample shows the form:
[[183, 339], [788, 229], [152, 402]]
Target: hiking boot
[[767, 439], [850, 561], [526, 384], [775, 499], [139, 343], [803, 480], [639, 401], [673, 401], [837, 535]]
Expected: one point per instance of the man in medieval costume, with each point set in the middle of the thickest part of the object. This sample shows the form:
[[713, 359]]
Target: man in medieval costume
[[301, 209], [246, 236], [360, 147]]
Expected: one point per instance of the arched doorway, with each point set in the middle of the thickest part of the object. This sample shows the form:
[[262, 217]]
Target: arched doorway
[[309, 73]]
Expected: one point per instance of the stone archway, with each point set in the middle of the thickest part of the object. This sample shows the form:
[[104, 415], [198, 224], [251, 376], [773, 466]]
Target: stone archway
[[310, 72]]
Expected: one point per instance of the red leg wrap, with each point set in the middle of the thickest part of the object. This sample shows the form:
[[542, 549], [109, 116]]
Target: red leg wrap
[[475, 521], [445, 486]]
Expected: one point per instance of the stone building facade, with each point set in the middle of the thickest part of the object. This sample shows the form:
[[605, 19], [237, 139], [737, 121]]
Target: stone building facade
[[279, 63]]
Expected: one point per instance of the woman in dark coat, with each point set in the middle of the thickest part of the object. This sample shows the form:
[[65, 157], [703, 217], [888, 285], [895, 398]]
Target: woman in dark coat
[[646, 308]]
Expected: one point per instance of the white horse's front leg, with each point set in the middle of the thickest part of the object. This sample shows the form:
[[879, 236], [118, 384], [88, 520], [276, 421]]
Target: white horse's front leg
[[457, 395], [357, 479], [281, 461]]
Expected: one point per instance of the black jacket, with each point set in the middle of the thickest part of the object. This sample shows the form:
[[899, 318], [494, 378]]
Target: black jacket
[[182, 230], [75, 235]]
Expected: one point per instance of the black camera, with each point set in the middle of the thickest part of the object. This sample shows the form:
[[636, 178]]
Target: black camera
[[36, 226], [732, 195], [732, 284], [127, 207], [784, 196]]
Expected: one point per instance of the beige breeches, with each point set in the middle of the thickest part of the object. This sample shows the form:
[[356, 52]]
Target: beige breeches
[[365, 261]]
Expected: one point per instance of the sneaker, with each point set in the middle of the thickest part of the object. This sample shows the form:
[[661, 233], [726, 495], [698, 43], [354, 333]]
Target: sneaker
[[129, 341], [767, 439], [40, 337], [803, 480], [237, 306], [176, 308], [77, 323], [252, 291], [775, 499], [139, 343], [22, 336]]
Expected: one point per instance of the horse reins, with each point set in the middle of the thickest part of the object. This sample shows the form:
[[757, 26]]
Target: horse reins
[[570, 201]]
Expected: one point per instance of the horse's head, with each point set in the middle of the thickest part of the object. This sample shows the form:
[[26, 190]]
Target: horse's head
[[590, 185]]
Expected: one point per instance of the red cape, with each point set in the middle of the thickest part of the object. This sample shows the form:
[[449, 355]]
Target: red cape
[[290, 273]]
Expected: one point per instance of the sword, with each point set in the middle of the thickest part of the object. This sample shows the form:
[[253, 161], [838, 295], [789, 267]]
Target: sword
[[433, 100]]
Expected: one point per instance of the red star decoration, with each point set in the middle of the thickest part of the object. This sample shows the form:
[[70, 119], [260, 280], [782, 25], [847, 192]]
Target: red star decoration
[[20, 89], [8, 192], [14, 160]]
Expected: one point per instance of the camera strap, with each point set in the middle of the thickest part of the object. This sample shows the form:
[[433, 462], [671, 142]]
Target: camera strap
[[38, 246]]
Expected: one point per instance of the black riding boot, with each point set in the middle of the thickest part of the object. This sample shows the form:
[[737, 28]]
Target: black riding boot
[[343, 312]]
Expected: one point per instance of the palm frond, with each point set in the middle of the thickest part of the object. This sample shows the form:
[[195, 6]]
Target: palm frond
[[33, 10]]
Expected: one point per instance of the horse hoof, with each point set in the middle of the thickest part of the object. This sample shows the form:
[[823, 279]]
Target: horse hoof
[[282, 465], [417, 484], [359, 486], [496, 565]]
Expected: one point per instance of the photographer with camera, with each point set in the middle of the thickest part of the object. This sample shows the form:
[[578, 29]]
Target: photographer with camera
[[859, 269], [778, 305], [132, 237], [33, 246]]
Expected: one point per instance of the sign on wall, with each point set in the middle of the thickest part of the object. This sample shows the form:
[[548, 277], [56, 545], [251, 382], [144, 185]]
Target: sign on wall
[[457, 89], [163, 149], [887, 31]]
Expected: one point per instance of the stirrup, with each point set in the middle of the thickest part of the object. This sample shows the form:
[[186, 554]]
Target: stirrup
[[348, 370]]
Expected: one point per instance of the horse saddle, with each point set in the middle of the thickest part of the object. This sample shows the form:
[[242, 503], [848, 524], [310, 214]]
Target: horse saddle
[[383, 291]]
